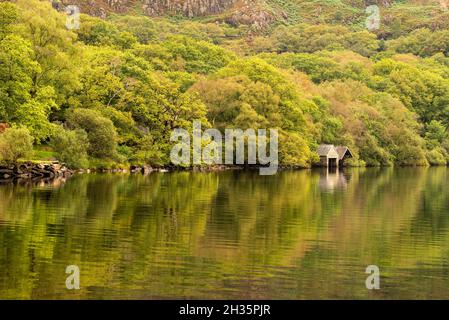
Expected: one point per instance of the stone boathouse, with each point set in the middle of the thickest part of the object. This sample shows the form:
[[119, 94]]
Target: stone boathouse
[[333, 156]]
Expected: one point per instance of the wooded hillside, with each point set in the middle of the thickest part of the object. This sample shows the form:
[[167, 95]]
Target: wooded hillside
[[111, 92]]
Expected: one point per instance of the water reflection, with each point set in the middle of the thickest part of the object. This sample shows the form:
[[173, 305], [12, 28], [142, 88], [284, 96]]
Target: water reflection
[[332, 178], [298, 234]]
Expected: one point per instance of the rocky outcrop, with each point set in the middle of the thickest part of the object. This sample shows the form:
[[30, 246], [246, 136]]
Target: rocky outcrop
[[29, 170], [234, 12], [188, 8], [251, 13]]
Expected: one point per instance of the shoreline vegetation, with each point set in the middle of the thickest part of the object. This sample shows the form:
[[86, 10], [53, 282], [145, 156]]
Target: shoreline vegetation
[[109, 94]]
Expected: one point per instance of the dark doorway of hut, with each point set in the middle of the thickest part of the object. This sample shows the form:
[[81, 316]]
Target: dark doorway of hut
[[333, 163]]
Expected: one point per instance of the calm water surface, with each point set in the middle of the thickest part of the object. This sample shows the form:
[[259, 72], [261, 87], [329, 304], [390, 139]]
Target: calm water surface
[[296, 235]]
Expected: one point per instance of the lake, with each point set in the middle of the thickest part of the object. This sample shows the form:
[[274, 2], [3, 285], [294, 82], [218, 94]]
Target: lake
[[307, 234]]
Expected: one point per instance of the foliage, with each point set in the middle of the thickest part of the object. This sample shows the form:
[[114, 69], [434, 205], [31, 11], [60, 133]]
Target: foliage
[[9, 15], [71, 147], [310, 38], [127, 81], [100, 131], [378, 127], [15, 143]]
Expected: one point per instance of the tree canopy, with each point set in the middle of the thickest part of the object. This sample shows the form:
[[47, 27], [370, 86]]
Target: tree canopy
[[116, 88]]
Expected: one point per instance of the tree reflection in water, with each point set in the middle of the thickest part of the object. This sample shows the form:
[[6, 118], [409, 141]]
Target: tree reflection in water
[[298, 234]]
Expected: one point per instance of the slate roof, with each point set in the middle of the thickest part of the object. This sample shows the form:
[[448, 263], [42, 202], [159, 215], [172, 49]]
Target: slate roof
[[342, 150], [324, 149]]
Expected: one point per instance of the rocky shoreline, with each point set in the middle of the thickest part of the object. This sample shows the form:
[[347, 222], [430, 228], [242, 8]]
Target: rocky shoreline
[[47, 171], [133, 169], [37, 171], [34, 171], [30, 171]]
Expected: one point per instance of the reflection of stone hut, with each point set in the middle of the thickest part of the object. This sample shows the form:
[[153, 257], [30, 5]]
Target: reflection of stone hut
[[330, 181], [331, 156]]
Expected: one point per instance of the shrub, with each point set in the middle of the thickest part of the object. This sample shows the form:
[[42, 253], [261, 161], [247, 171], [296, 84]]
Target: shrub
[[100, 131], [149, 152], [71, 147], [15, 143], [436, 157]]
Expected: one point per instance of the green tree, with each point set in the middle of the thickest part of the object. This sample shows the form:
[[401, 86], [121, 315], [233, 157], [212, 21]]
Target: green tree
[[199, 56], [15, 143], [9, 14], [437, 141], [95, 31], [435, 133], [71, 147], [100, 131], [312, 38], [20, 102], [16, 68], [422, 91]]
